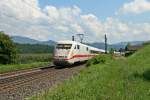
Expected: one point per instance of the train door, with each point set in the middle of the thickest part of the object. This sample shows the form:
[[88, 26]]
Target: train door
[[77, 53], [78, 49], [87, 53]]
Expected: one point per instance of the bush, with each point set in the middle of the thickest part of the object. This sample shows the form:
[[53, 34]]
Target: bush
[[127, 54], [146, 75], [112, 51], [7, 49], [100, 59], [146, 43]]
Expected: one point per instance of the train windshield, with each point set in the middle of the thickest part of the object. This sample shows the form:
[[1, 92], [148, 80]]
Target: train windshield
[[64, 46]]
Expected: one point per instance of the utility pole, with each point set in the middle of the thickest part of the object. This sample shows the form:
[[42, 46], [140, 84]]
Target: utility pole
[[81, 36], [73, 39], [105, 44]]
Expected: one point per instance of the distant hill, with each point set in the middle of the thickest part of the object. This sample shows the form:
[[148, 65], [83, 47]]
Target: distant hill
[[100, 45], [49, 42], [117, 46], [25, 40]]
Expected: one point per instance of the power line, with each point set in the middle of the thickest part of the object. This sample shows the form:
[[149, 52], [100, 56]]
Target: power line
[[81, 36]]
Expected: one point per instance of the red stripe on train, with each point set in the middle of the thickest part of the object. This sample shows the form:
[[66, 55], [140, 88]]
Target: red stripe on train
[[79, 56]]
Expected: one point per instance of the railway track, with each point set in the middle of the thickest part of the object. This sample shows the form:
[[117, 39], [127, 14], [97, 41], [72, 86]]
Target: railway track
[[8, 85], [22, 72], [17, 86]]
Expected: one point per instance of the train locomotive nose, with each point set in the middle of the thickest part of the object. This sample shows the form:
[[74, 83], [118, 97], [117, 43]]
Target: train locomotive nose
[[61, 61], [60, 58]]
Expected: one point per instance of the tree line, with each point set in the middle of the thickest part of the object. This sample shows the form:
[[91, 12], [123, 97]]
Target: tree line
[[34, 48]]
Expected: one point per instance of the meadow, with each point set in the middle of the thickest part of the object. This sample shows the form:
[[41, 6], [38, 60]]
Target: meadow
[[119, 79], [31, 58]]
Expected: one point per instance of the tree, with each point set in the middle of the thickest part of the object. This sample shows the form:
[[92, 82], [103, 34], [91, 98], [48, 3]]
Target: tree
[[121, 50], [112, 50], [146, 43], [7, 49], [127, 46]]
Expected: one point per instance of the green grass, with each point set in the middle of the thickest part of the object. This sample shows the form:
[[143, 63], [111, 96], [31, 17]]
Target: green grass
[[16, 67], [127, 79], [27, 61]]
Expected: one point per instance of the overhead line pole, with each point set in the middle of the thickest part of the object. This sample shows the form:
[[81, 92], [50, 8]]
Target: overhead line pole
[[73, 38], [81, 36], [105, 44]]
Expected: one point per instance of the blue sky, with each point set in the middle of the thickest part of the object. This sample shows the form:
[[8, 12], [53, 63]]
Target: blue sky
[[101, 8], [121, 20]]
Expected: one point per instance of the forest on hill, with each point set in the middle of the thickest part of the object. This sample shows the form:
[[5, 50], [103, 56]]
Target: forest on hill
[[34, 48]]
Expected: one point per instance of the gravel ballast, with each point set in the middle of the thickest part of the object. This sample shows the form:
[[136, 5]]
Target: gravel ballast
[[38, 83]]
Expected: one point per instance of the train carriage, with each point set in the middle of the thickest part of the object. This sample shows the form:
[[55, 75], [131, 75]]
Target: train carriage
[[70, 52]]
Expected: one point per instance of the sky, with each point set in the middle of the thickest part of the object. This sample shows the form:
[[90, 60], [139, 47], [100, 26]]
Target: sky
[[120, 20]]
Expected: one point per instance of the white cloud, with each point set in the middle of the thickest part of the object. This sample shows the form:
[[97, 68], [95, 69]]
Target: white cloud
[[124, 31], [26, 18], [94, 24], [52, 12], [136, 7], [65, 19], [21, 9], [146, 27], [115, 29]]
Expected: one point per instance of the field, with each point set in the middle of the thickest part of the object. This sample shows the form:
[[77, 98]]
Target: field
[[30, 58], [27, 61], [121, 79]]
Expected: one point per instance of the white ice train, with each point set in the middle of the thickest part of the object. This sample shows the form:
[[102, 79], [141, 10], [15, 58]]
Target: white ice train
[[70, 52]]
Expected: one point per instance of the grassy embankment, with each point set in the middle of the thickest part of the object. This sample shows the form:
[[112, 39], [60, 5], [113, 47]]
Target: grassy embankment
[[27, 61], [127, 79]]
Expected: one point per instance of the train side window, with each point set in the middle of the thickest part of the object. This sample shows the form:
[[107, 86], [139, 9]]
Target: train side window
[[78, 46], [94, 52], [87, 48], [75, 47]]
